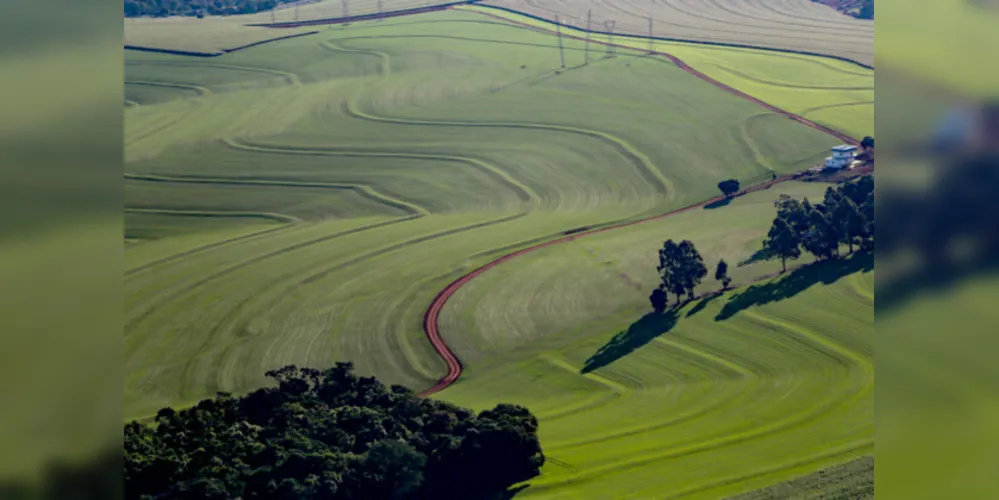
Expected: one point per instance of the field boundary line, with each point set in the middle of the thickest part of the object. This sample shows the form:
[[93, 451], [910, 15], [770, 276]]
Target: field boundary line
[[221, 52]]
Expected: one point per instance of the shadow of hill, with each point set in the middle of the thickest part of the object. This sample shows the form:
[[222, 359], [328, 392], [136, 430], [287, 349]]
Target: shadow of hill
[[796, 282], [638, 334]]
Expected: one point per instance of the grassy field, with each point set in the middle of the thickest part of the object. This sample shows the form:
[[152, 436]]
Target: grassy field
[[303, 201], [783, 24]]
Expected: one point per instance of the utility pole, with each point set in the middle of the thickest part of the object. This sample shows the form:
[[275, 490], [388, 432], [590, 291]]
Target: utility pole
[[379, 6], [610, 37], [589, 22], [651, 41], [273, 19], [296, 11], [346, 9], [561, 49]]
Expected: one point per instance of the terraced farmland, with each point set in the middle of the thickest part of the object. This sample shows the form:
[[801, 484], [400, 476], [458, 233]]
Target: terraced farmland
[[302, 202], [796, 25]]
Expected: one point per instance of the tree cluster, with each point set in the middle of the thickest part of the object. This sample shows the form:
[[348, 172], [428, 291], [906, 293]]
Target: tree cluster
[[163, 8], [333, 435], [845, 217], [681, 269]]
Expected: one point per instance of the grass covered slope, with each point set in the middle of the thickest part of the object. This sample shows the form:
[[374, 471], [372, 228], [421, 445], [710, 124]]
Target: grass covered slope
[[834, 93], [400, 153], [729, 394]]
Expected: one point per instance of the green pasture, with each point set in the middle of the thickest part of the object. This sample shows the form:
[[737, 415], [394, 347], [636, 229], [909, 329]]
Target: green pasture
[[302, 202]]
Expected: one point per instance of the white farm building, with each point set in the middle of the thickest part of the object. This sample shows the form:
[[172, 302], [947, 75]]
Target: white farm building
[[842, 157]]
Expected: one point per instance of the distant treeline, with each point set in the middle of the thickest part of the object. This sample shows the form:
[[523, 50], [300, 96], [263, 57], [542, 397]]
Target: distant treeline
[[163, 8], [329, 434]]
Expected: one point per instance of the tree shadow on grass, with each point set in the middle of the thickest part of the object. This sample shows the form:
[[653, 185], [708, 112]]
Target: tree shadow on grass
[[796, 282], [724, 202], [638, 334], [703, 303]]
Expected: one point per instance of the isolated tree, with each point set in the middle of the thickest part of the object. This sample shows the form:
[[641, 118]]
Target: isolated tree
[[867, 143], [729, 187], [721, 274], [691, 268], [782, 242], [659, 300], [681, 269], [669, 257]]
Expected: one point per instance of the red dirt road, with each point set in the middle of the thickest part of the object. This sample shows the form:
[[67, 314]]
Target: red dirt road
[[432, 316]]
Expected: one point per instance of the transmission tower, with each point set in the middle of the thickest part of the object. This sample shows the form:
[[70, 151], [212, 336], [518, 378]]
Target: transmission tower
[[561, 49], [609, 24], [589, 23], [296, 11], [379, 6]]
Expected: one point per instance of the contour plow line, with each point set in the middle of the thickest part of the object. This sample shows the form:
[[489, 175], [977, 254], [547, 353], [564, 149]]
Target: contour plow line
[[361, 189], [385, 59], [213, 213], [523, 192], [183, 86], [291, 78], [647, 169]]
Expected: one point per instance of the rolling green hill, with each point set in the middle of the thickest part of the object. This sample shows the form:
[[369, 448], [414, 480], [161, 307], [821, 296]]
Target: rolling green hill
[[301, 202]]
